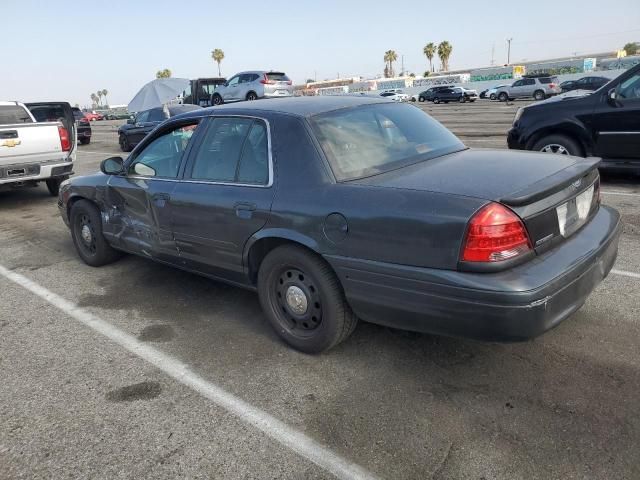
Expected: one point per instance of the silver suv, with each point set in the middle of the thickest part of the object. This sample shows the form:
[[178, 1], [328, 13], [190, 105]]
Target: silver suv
[[539, 88], [252, 86]]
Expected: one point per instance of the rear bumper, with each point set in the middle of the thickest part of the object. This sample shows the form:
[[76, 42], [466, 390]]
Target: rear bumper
[[35, 172], [513, 305]]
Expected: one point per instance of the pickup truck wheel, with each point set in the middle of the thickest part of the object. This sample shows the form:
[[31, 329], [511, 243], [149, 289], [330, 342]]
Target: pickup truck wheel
[[539, 95], [53, 185], [86, 231], [303, 300], [503, 97], [559, 144], [125, 146]]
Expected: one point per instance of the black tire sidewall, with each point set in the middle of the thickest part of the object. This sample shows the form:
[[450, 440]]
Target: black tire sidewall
[[334, 306], [104, 252]]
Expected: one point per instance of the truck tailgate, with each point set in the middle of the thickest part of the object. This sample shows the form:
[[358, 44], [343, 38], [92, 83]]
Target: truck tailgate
[[30, 143]]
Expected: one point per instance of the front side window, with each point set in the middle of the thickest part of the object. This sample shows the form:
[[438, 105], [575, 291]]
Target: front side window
[[142, 116], [529, 81], [517, 84], [162, 157], [234, 80], [364, 141], [156, 115], [630, 88], [234, 150]]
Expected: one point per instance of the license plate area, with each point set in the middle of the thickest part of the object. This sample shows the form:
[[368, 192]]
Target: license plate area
[[574, 214], [16, 172]]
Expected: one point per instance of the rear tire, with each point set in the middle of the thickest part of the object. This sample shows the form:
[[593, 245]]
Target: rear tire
[[251, 96], [558, 144], [86, 231], [53, 185], [85, 141], [303, 300], [539, 95], [503, 97], [125, 146]]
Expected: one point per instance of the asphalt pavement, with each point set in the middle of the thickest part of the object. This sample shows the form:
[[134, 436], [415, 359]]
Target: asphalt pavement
[[137, 370]]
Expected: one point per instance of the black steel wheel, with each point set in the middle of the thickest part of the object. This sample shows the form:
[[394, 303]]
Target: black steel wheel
[[303, 300], [86, 231], [125, 146]]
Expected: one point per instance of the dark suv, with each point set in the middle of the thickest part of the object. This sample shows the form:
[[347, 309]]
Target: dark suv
[[84, 127], [429, 94], [605, 123], [585, 83]]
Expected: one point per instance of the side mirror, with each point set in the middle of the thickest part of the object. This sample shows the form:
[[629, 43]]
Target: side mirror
[[112, 166], [131, 121], [612, 97]]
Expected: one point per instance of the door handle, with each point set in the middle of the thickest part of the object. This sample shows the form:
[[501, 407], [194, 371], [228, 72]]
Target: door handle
[[244, 209]]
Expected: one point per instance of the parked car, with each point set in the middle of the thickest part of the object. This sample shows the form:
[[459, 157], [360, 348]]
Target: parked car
[[397, 95], [117, 115], [200, 90], [605, 123], [537, 88], [83, 127], [455, 94], [341, 208], [253, 86], [491, 93], [132, 132], [37, 144], [92, 117], [427, 95], [584, 83]]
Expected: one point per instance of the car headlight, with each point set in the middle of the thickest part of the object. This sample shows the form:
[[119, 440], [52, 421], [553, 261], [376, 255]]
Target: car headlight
[[519, 113]]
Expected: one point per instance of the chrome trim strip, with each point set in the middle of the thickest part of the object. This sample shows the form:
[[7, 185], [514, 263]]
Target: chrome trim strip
[[620, 133]]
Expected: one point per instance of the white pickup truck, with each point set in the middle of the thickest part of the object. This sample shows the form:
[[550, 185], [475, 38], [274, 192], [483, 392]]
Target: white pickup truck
[[37, 143]]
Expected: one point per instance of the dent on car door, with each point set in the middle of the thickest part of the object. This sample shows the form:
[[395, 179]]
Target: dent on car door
[[138, 218], [226, 195], [618, 121]]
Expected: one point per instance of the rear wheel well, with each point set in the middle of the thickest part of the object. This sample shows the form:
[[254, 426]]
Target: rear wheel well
[[261, 248], [557, 131]]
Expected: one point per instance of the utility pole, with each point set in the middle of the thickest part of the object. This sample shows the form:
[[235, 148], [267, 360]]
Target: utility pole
[[402, 61], [493, 52], [509, 50]]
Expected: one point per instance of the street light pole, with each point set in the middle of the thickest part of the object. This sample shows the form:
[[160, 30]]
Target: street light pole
[[509, 50]]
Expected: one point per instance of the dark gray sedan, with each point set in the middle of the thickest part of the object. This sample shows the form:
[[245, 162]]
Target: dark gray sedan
[[343, 208]]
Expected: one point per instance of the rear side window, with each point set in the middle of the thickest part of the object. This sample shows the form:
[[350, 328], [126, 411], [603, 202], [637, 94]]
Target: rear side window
[[13, 114], [547, 80], [277, 76], [234, 150]]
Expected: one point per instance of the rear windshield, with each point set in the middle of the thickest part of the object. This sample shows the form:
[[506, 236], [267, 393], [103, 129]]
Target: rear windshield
[[548, 79], [364, 141], [13, 114], [48, 113], [277, 76]]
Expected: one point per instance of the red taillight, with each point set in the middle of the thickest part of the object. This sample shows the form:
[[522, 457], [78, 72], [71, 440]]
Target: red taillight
[[552, 85], [265, 81], [65, 142], [289, 82], [495, 233]]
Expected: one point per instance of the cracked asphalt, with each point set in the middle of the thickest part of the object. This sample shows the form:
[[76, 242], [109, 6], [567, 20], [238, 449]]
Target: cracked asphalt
[[402, 405]]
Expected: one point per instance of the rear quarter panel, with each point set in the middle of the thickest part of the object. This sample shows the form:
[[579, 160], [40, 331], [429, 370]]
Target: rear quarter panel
[[38, 142]]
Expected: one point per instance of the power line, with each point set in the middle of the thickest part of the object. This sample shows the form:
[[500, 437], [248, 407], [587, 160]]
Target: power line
[[577, 38]]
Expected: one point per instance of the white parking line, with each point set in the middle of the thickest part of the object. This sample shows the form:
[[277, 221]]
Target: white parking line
[[269, 425], [606, 192], [624, 273]]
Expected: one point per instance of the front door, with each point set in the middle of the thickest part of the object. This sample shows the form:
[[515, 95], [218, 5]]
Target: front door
[[618, 123], [139, 215], [145, 123], [225, 197], [528, 87], [230, 93]]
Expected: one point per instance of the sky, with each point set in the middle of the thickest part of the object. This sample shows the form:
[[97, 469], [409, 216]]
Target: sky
[[64, 50]]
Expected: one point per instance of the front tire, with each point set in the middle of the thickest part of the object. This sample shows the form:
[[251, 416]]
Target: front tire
[[86, 231], [216, 100], [421, 99], [462, 99], [436, 100], [492, 96], [558, 144], [125, 146], [303, 300], [53, 185]]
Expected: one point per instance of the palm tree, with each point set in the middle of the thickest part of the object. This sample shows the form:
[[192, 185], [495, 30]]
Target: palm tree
[[166, 73], [105, 92], [430, 51], [94, 99], [444, 52], [99, 94], [218, 56], [390, 56]]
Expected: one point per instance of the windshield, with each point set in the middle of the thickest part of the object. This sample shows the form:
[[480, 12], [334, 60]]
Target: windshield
[[364, 141]]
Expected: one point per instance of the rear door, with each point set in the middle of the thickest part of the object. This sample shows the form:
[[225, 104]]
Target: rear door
[[225, 197], [57, 112], [618, 126]]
